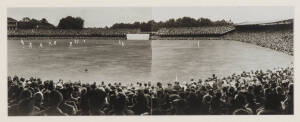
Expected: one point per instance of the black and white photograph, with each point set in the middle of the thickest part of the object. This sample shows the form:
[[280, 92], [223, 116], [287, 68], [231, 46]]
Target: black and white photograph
[[150, 61]]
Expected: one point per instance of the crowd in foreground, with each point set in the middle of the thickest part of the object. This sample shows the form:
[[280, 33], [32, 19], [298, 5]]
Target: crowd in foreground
[[249, 93]]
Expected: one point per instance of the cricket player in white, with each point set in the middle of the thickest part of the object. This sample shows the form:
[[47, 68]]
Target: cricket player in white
[[50, 44], [30, 45], [22, 42], [70, 45], [41, 45], [74, 41]]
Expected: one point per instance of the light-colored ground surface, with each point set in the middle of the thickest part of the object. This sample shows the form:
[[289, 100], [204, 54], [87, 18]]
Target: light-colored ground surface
[[157, 60]]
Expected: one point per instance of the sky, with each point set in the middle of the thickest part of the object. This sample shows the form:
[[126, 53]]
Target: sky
[[107, 16]]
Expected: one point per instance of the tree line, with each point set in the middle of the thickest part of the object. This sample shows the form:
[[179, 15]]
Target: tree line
[[27, 23], [70, 22], [151, 25]]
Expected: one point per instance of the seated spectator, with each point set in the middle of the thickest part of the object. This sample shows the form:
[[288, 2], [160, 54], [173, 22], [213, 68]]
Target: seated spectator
[[119, 105], [38, 98], [55, 100], [96, 102], [141, 105], [25, 107], [240, 105], [272, 105]]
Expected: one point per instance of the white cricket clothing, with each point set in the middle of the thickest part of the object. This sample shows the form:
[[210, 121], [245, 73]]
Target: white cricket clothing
[[41, 45], [30, 45]]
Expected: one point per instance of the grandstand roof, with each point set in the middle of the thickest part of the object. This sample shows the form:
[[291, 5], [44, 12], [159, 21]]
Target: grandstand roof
[[288, 21], [11, 20]]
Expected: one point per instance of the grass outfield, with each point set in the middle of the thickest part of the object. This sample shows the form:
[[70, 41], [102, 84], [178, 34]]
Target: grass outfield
[[156, 60]]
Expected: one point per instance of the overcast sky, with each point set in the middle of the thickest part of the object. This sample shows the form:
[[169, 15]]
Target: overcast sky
[[106, 16]]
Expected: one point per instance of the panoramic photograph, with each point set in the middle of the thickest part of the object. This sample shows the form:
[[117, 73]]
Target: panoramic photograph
[[143, 61]]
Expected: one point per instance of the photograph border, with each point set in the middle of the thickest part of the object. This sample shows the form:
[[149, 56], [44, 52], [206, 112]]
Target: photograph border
[[143, 3]]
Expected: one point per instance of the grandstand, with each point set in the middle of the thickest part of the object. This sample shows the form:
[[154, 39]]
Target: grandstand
[[281, 22], [12, 24], [276, 35], [209, 31], [257, 26], [87, 32]]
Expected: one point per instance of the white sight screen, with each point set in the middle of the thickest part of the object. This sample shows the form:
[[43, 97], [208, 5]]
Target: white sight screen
[[137, 36]]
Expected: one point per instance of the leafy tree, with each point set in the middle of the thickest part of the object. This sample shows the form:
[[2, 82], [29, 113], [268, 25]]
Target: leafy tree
[[186, 22], [44, 21], [70, 22], [170, 23], [25, 19], [205, 22], [27, 23], [44, 24]]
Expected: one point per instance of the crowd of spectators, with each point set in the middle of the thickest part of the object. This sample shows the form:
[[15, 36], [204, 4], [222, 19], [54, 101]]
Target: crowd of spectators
[[185, 38], [249, 93], [188, 31], [279, 40], [195, 31], [87, 32], [73, 38]]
